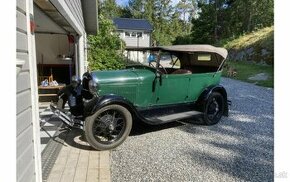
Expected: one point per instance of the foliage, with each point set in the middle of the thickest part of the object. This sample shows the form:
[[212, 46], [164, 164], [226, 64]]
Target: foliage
[[266, 35], [216, 22], [168, 21], [223, 19], [257, 46], [105, 51], [195, 21], [248, 69]]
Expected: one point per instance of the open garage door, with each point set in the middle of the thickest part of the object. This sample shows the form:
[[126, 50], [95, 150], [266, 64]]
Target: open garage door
[[55, 49]]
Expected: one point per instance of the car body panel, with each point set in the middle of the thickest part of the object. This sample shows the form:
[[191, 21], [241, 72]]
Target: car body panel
[[199, 82], [143, 88]]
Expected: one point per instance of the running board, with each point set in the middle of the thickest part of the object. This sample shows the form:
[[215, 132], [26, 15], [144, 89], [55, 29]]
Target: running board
[[173, 117]]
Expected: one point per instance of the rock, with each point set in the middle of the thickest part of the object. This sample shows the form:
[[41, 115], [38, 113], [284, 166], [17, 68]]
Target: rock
[[240, 56], [259, 76], [264, 52], [250, 51]]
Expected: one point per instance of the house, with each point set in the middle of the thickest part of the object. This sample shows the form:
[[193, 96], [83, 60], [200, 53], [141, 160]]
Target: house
[[50, 39], [135, 33]]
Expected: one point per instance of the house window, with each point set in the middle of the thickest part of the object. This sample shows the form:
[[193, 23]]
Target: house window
[[133, 34], [127, 34]]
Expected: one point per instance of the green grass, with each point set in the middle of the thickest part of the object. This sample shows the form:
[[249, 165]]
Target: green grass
[[264, 36], [246, 70]]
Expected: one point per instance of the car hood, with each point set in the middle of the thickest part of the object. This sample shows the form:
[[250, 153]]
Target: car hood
[[114, 76], [122, 76]]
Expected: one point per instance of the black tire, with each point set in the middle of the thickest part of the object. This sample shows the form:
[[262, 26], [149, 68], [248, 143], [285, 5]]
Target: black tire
[[214, 108], [99, 127]]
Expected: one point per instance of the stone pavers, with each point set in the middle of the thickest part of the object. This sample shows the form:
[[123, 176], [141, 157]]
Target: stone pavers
[[78, 162], [66, 156]]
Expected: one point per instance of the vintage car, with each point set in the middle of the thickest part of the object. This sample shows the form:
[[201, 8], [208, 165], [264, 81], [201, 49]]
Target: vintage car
[[106, 103]]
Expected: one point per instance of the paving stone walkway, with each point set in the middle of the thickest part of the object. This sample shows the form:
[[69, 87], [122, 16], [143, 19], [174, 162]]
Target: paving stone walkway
[[66, 156], [78, 162]]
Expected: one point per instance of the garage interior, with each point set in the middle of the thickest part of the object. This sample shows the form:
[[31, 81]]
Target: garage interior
[[56, 57], [56, 49], [55, 45]]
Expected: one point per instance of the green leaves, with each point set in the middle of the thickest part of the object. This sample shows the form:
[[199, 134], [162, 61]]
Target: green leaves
[[222, 19], [104, 52]]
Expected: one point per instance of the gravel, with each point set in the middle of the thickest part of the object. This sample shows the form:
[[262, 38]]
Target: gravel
[[239, 148]]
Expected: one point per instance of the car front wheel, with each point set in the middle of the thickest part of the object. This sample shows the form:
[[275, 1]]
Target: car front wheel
[[108, 127], [214, 108]]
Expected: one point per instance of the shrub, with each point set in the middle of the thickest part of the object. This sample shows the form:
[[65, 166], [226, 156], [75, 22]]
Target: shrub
[[106, 47]]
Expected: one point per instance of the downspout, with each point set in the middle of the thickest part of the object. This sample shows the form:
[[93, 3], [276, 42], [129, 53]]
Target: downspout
[[76, 57], [81, 55]]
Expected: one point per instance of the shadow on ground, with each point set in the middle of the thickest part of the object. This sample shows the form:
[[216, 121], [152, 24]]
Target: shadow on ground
[[242, 145], [75, 138]]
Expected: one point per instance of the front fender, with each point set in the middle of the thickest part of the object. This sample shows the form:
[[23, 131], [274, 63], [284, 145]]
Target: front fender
[[206, 93], [112, 99]]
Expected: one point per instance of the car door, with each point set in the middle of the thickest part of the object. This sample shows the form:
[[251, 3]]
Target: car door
[[172, 89]]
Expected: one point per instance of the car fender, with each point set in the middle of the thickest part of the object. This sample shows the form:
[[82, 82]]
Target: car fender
[[206, 93], [113, 99]]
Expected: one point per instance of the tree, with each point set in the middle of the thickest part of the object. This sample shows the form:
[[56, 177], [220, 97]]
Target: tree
[[108, 9], [221, 19], [186, 8], [164, 17], [137, 8], [105, 51]]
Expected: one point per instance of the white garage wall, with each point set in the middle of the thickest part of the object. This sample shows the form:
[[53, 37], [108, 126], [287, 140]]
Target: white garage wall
[[51, 46], [27, 137]]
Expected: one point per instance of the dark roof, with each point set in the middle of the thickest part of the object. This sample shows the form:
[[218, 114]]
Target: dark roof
[[133, 24]]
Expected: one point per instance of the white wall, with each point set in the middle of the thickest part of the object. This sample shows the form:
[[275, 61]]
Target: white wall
[[51, 46], [137, 56], [28, 159], [144, 41]]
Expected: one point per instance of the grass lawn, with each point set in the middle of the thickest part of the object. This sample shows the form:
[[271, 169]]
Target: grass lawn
[[246, 70]]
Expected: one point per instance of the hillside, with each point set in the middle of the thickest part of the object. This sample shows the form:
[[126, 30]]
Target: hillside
[[252, 56], [256, 47]]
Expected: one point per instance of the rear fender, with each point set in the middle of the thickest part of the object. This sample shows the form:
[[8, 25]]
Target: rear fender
[[206, 93]]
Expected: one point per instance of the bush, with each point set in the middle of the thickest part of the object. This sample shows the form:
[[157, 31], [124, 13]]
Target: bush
[[106, 48]]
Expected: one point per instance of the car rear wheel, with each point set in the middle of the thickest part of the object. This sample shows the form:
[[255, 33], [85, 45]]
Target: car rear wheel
[[108, 127], [214, 108]]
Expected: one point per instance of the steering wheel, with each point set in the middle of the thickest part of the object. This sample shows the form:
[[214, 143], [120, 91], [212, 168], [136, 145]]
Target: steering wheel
[[160, 65]]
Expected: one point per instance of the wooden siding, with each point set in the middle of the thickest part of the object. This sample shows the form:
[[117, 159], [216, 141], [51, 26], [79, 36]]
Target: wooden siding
[[24, 135], [133, 41], [76, 9], [23, 121]]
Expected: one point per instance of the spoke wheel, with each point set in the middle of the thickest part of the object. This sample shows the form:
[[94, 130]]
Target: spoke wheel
[[214, 108], [108, 127]]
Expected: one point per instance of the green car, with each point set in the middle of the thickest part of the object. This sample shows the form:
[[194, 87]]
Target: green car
[[106, 103]]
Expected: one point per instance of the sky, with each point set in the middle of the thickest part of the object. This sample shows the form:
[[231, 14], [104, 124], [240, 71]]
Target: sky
[[122, 2], [125, 2]]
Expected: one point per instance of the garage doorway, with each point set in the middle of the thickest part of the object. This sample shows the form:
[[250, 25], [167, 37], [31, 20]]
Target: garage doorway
[[55, 57], [56, 48]]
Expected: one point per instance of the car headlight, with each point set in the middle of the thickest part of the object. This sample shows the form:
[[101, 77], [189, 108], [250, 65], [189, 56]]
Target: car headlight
[[93, 87]]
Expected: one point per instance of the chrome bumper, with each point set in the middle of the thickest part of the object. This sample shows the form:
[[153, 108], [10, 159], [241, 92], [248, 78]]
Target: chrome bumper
[[70, 121]]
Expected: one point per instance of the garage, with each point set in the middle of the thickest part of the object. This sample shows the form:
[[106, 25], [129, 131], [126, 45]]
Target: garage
[[50, 45]]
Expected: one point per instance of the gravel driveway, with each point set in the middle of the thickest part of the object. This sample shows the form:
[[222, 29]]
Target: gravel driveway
[[239, 148]]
